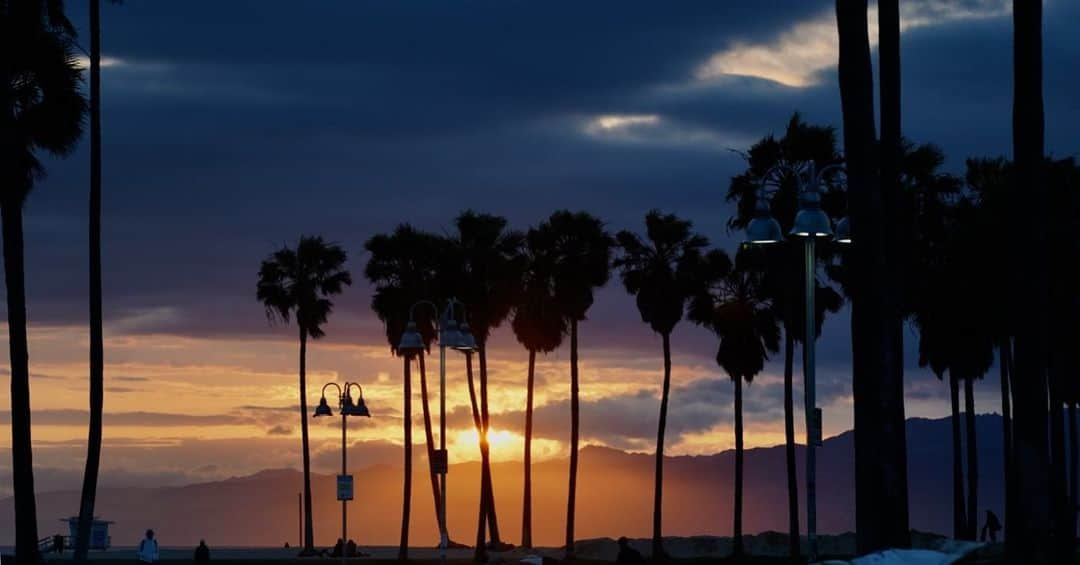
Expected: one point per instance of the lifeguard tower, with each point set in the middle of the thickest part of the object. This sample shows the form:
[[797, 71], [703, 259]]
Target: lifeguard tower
[[99, 533]]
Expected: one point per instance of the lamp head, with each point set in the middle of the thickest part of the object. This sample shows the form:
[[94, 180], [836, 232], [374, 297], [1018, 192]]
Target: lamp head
[[323, 409], [468, 341], [843, 230], [355, 409], [763, 228], [811, 221], [411, 340], [449, 335]]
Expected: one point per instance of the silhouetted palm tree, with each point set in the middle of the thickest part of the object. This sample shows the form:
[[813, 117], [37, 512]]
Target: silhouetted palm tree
[[881, 509], [731, 302], [540, 326], [582, 264], [403, 267], [485, 271], [97, 354], [298, 283], [41, 110], [783, 264], [1026, 540], [658, 272]]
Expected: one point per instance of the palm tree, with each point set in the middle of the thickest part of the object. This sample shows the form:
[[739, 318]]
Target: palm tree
[[484, 271], [97, 355], [658, 274], [783, 264], [540, 326], [582, 264], [41, 110], [298, 283], [731, 302], [881, 513], [403, 268], [1029, 527]]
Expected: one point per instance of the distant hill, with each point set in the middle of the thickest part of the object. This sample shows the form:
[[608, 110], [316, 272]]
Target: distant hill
[[615, 497]]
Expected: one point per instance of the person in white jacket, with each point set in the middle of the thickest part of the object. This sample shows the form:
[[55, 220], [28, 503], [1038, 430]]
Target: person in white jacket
[[148, 548]]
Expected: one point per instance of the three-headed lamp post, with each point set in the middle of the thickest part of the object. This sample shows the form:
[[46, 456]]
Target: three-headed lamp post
[[348, 408], [450, 335], [811, 224]]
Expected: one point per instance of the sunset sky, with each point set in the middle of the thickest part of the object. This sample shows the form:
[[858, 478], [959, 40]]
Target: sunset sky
[[230, 128]]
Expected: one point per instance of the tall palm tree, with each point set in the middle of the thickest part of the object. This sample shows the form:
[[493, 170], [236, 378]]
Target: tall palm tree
[[582, 264], [732, 303], [403, 267], [298, 283], [881, 507], [782, 264], [658, 272], [1029, 527], [41, 111], [988, 180], [540, 326], [485, 271], [97, 347]]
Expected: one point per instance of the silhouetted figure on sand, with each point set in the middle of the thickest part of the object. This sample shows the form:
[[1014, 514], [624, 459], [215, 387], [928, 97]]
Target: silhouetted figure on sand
[[202, 553], [148, 548], [350, 549], [628, 555], [992, 526], [339, 548]]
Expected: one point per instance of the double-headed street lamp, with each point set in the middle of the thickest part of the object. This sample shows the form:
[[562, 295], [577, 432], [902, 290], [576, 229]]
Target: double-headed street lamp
[[348, 408], [811, 223], [456, 337]]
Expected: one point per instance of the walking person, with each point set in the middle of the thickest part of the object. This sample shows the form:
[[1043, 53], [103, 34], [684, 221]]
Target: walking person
[[148, 548], [202, 553], [993, 526]]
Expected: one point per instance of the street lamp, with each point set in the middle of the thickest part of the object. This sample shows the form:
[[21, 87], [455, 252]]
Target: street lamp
[[455, 337], [811, 223], [348, 408]]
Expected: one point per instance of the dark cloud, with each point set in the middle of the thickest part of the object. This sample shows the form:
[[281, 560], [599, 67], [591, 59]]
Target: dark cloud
[[349, 119]]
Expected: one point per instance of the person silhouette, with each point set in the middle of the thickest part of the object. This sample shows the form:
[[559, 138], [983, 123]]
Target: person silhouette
[[202, 553], [339, 548], [148, 548], [628, 555], [992, 526]]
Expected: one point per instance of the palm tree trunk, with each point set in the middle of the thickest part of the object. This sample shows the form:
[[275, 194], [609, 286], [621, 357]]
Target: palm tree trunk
[[526, 506], [97, 355], [658, 488], [1058, 489], [972, 459], [737, 526], [1074, 475], [485, 453], [574, 432], [959, 510], [893, 457], [430, 439], [309, 527], [406, 496], [22, 465], [1005, 361], [1030, 519], [794, 545], [480, 554], [880, 452]]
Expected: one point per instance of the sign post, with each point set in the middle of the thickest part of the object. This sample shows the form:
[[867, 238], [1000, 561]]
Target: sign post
[[344, 487]]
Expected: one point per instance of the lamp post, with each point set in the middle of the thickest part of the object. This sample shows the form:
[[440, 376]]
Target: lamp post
[[456, 337], [811, 223], [348, 408]]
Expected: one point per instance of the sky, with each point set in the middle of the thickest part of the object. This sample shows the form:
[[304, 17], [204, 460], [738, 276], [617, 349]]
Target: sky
[[230, 128]]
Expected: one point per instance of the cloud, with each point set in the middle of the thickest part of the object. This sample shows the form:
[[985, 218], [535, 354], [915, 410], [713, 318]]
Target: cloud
[[279, 430], [797, 56]]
